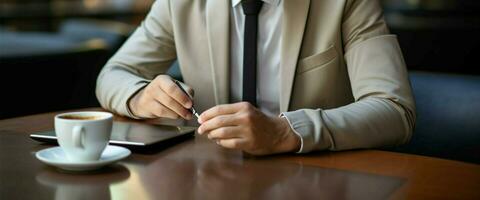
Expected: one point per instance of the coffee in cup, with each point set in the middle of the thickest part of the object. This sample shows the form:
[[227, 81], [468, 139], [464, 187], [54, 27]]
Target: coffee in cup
[[80, 117], [83, 135]]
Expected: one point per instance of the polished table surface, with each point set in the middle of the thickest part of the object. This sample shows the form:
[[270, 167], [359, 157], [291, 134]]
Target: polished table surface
[[199, 169]]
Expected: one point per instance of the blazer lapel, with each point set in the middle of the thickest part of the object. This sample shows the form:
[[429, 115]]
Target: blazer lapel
[[294, 20], [218, 30]]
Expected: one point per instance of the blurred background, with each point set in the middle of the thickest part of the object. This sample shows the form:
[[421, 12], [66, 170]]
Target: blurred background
[[52, 50]]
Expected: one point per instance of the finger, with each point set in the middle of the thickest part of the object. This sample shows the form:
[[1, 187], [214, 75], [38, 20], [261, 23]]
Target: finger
[[159, 110], [222, 110], [225, 133], [172, 104], [217, 122], [234, 143], [172, 89], [188, 89]]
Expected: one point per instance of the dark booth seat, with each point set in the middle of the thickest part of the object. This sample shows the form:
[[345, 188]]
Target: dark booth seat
[[448, 116]]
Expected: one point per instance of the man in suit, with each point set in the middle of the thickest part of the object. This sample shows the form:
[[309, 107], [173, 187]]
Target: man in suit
[[271, 76]]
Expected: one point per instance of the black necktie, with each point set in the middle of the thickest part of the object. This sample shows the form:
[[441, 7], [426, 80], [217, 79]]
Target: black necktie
[[251, 8]]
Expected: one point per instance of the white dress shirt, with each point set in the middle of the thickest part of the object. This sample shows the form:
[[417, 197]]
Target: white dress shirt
[[268, 55]]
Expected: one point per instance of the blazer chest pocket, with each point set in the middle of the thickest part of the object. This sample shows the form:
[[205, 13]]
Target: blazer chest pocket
[[321, 82], [315, 61]]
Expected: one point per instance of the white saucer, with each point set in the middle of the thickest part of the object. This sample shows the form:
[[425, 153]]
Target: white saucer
[[55, 156]]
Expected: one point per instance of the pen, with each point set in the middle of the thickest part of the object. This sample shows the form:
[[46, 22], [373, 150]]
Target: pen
[[192, 109]]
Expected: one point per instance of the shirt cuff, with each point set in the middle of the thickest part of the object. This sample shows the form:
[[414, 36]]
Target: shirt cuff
[[295, 131], [301, 126], [132, 92]]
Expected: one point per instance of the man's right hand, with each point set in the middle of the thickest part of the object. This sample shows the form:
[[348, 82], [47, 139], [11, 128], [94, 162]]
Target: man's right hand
[[162, 98]]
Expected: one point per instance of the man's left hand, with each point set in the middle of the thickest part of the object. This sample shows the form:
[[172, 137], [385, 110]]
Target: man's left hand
[[244, 127]]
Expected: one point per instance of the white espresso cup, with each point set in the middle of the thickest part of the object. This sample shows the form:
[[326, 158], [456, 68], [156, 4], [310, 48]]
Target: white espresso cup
[[83, 135]]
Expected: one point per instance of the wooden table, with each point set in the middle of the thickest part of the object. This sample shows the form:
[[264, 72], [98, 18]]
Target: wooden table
[[199, 169]]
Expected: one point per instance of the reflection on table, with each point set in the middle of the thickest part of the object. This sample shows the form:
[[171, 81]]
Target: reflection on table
[[86, 186], [201, 170]]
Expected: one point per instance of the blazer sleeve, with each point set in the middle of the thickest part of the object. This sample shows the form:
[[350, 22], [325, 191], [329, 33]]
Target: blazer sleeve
[[147, 53], [383, 113]]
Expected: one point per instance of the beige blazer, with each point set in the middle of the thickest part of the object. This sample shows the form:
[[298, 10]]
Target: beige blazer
[[343, 78]]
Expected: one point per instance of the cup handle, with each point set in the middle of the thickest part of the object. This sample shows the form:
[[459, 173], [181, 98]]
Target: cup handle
[[78, 132]]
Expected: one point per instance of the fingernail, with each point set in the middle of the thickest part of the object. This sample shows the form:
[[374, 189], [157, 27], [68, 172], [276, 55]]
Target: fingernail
[[199, 130], [188, 105], [199, 120]]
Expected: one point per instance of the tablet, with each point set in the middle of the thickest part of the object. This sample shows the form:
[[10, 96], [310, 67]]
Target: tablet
[[132, 134]]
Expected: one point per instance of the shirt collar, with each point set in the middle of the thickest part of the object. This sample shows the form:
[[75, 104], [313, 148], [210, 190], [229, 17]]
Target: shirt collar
[[271, 2]]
